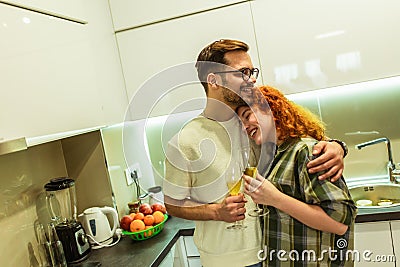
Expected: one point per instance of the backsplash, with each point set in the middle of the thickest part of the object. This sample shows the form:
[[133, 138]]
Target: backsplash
[[159, 130], [358, 113], [370, 161], [22, 177], [124, 145]]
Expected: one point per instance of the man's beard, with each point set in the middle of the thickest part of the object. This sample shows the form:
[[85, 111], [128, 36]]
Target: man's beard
[[232, 97], [237, 98], [244, 98]]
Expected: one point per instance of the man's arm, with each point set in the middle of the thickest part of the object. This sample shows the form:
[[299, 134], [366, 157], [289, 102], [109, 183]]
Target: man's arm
[[330, 159], [230, 210]]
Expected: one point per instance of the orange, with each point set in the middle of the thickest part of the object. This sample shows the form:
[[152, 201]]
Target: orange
[[149, 232], [138, 216], [132, 215], [137, 225], [158, 217], [148, 220]]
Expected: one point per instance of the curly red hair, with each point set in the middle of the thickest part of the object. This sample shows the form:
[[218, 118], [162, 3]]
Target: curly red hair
[[292, 120]]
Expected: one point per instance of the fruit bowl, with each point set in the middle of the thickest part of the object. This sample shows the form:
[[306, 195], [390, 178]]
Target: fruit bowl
[[147, 233]]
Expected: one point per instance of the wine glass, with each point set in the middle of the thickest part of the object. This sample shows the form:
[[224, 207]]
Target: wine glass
[[252, 172], [233, 178]]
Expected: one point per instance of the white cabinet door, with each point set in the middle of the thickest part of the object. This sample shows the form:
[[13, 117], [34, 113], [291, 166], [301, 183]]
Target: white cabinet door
[[150, 50], [58, 75], [128, 14], [194, 262], [186, 253], [191, 249], [306, 45], [192, 253], [69, 9], [374, 237], [396, 240], [168, 261]]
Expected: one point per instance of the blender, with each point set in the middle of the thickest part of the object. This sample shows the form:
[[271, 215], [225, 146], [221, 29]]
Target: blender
[[61, 202]]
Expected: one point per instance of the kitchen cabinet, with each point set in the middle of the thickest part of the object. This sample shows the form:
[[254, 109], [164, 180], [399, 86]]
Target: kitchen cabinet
[[129, 14], [58, 75], [73, 10], [396, 240], [182, 254], [170, 260], [376, 238], [159, 69], [311, 44], [192, 254]]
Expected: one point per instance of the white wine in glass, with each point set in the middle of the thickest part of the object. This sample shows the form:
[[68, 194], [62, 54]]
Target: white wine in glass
[[234, 188], [233, 178], [257, 211]]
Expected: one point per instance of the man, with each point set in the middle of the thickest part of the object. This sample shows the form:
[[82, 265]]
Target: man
[[198, 157]]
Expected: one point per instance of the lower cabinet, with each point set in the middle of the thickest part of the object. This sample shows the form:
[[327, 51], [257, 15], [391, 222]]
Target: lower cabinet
[[373, 244], [396, 240], [192, 254], [183, 254]]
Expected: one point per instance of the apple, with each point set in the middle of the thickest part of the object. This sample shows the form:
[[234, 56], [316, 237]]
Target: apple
[[125, 222], [158, 207], [145, 208]]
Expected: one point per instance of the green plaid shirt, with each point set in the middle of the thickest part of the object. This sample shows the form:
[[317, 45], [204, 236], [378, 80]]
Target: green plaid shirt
[[289, 242]]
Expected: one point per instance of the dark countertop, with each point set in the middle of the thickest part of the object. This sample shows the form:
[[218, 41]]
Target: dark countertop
[[143, 253], [378, 214]]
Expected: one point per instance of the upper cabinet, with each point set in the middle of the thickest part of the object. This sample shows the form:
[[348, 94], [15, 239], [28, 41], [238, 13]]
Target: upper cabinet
[[129, 14], [73, 10], [58, 75], [158, 60], [312, 44]]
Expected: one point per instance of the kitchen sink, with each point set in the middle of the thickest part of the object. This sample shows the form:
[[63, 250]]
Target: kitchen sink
[[376, 195]]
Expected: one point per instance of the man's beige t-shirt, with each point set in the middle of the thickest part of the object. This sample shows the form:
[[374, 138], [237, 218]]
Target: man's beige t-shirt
[[197, 158]]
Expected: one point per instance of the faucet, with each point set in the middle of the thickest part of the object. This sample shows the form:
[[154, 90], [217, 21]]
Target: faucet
[[391, 167]]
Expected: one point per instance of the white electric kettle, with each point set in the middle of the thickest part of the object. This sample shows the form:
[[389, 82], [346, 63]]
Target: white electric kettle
[[96, 224]]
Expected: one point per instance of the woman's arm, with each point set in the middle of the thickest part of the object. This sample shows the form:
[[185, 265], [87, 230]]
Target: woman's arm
[[264, 192]]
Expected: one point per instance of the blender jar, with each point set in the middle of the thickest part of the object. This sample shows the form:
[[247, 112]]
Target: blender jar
[[61, 199]]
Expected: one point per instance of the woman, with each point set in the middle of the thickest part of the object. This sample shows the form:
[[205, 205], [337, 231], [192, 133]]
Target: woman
[[310, 221]]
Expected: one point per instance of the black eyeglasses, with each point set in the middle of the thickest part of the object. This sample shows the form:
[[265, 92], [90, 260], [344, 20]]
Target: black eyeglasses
[[246, 73]]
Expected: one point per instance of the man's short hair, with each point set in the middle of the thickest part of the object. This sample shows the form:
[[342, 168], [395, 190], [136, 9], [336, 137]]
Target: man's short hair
[[215, 52]]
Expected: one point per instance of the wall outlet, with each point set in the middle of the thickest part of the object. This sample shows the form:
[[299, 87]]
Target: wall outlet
[[132, 172], [129, 179]]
